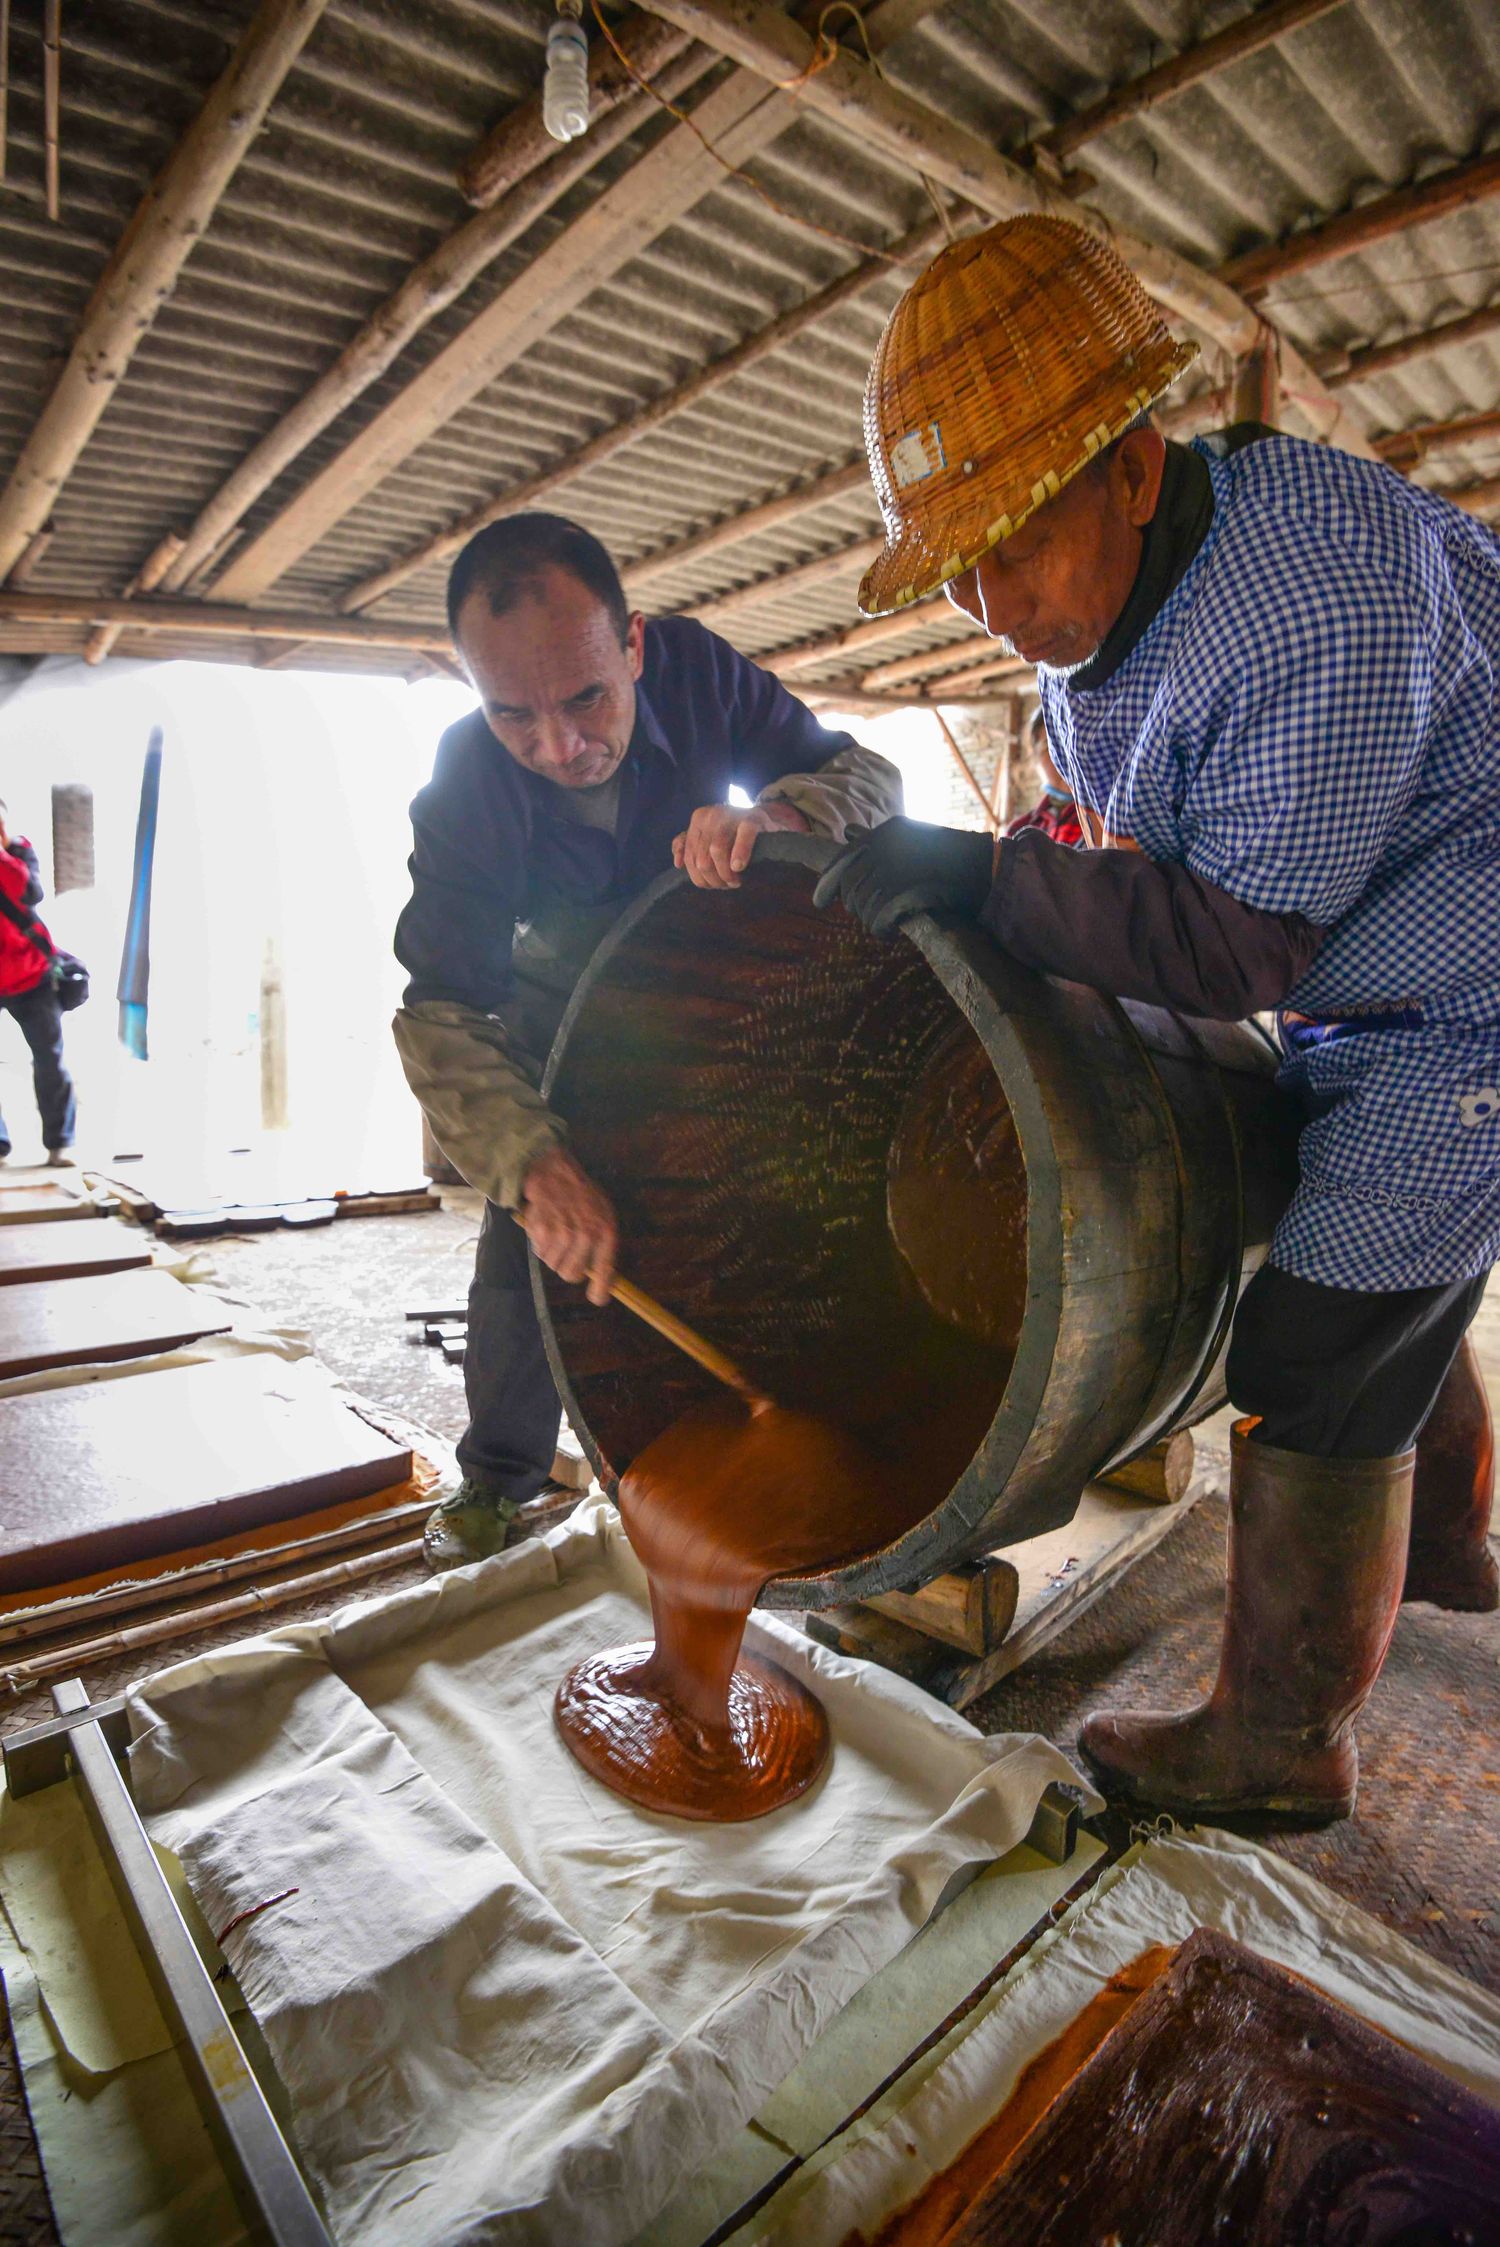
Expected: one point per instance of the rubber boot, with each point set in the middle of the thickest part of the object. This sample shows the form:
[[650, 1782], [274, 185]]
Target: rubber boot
[[1316, 1553], [471, 1525], [1450, 1562]]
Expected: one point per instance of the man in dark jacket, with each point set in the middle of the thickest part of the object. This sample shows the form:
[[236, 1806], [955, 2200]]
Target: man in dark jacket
[[27, 992], [603, 752]]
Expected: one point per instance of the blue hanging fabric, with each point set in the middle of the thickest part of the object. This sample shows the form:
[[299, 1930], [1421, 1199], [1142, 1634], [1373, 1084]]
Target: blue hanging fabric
[[135, 960]]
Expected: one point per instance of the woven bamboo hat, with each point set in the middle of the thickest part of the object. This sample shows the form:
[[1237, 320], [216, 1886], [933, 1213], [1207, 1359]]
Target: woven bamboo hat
[[1016, 357]]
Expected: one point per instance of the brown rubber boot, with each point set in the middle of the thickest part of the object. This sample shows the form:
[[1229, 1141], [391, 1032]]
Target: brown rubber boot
[[1316, 1552], [1450, 1562]]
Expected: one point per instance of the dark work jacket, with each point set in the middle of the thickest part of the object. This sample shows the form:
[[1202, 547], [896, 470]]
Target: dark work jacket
[[510, 895]]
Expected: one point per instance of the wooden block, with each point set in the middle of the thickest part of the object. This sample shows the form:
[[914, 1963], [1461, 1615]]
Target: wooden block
[[115, 1472], [570, 1466], [445, 1330], [1161, 1474], [877, 1638], [33, 1204], [440, 1313], [84, 1322], [65, 1251], [972, 1607], [454, 1352]]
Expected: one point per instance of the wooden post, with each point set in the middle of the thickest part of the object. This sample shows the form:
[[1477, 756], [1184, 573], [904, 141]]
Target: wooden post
[[147, 260], [964, 766], [1256, 393], [274, 1111]]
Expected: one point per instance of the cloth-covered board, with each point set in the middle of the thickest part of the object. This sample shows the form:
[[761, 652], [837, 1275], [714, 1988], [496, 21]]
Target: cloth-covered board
[[1160, 1893], [46, 1323], [40, 1201], [105, 1474], [506, 2005], [58, 1250]]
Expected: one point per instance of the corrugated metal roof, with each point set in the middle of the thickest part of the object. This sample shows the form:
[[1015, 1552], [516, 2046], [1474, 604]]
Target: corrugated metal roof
[[353, 180]]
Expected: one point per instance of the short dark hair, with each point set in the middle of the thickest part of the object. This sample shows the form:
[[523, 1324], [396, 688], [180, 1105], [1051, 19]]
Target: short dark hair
[[505, 560]]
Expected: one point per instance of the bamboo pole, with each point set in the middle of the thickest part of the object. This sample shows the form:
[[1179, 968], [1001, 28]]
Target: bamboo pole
[[216, 621], [1255, 393], [431, 286], [4, 81], [1407, 448], [27, 567], [765, 515], [806, 655], [164, 1630], [1261, 28], [1338, 368], [146, 262], [845, 90], [740, 117], [1478, 499], [789, 584], [950, 656], [1456, 189], [146, 580], [993, 667], [52, 100], [956, 753], [521, 142], [700, 384]]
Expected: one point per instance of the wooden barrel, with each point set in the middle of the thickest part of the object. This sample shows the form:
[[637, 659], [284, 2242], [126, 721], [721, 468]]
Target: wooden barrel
[[996, 1222]]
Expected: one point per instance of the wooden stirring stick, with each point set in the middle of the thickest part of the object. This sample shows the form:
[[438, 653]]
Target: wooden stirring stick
[[676, 1330]]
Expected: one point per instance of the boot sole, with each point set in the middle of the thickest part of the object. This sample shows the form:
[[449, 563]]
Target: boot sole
[[1282, 1809]]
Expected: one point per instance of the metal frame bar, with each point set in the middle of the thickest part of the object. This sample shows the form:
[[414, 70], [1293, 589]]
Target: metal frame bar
[[259, 2163]]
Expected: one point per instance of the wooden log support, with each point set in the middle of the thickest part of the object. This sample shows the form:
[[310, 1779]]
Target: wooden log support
[[143, 270], [1255, 394], [52, 102], [1340, 367], [1407, 448], [521, 142], [845, 90], [211, 621], [695, 387], [146, 580], [1457, 189], [972, 1607], [1261, 28], [1161, 1474], [438, 281]]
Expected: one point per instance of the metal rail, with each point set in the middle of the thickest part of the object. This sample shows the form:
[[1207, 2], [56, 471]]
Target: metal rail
[[87, 1738]]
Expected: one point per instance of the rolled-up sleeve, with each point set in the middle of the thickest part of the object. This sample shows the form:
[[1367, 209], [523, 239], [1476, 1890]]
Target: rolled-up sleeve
[[783, 753]]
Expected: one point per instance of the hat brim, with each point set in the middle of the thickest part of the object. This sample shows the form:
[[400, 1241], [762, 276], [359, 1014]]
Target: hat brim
[[907, 570]]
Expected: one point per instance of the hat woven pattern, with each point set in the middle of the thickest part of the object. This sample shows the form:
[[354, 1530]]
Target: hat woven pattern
[[1004, 370]]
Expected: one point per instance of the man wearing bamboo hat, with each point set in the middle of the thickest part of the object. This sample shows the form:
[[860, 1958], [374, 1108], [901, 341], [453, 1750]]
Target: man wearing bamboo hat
[[1269, 675]]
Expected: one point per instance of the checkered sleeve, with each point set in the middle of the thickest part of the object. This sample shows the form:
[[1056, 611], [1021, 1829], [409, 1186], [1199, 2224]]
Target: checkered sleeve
[[1318, 722]]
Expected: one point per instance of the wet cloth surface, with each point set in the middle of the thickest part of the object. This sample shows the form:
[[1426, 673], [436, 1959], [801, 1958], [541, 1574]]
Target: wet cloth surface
[[505, 2005]]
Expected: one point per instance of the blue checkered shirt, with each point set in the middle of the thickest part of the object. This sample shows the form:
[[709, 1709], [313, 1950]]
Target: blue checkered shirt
[[1312, 723]]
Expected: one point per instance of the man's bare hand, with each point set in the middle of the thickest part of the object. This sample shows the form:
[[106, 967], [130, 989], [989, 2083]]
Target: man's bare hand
[[719, 839], [569, 1222]]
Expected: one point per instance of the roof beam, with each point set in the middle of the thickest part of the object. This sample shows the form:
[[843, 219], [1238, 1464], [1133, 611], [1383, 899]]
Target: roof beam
[[700, 384], [790, 584], [219, 622], [845, 90], [1477, 499], [1453, 190], [765, 515], [1406, 448], [146, 263], [852, 639], [1261, 28], [951, 656], [430, 287], [1337, 368], [520, 142]]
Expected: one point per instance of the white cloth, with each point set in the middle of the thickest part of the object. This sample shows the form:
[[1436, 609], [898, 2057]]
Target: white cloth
[[507, 2006], [1160, 1894]]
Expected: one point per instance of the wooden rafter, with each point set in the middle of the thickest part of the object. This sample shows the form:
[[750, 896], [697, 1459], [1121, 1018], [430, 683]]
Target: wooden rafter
[[690, 391], [1478, 499], [854, 639], [1405, 448], [929, 661], [1340, 367], [787, 585], [218, 621], [750, 522], [1252, 32], [146, 262], [1456, 189], [520, 142]]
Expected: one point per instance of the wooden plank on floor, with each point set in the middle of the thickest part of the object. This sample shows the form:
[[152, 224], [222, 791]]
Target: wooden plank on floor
[[64, 1252], [43, 1201], [84, 1322], [115, 1472]]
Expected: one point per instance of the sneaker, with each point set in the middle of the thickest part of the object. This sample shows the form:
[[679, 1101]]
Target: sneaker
[[58, 1158], [471, 1525]]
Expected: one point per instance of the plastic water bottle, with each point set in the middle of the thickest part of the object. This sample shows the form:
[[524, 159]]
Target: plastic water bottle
[[565, 89]]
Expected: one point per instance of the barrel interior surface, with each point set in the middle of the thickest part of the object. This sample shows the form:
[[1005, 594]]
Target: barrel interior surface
[[738, 1085]]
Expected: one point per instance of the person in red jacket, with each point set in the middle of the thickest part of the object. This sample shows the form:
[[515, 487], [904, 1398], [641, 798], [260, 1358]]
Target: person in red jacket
[[1056, 816], [28, 992]]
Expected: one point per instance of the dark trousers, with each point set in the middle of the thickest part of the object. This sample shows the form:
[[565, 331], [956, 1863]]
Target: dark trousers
[[513, 1409], [1338, 1374], [40, 1019]]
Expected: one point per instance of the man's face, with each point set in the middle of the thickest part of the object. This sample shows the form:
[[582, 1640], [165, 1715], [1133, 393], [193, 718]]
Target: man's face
[[557, 686], [1054, 589]]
